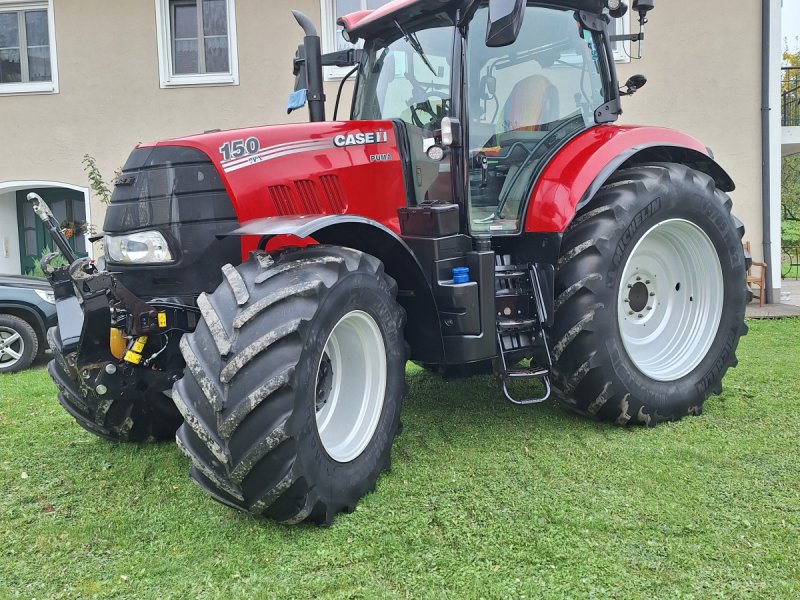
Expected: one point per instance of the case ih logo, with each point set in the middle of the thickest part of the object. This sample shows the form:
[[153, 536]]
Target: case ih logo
[[361, 139]]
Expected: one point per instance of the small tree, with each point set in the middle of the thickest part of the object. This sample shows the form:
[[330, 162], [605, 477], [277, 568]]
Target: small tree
[[96, 182]]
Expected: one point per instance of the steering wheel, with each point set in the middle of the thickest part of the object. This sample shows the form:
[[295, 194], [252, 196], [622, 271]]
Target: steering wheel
[[426, 108]]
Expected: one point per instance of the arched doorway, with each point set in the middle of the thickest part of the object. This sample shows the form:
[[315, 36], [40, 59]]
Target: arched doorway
[[23, 238]]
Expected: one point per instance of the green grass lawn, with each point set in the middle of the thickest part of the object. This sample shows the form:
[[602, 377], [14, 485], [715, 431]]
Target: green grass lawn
[[484, 500], [790, 271]]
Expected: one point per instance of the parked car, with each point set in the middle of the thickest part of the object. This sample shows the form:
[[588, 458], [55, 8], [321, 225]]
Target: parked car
[[27, 311]]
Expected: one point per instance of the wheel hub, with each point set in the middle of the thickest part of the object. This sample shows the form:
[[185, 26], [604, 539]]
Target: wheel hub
[[324, 382], [11, 346], [639, 296], [670, 300]]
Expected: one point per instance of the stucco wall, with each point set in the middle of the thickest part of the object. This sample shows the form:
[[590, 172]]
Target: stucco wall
[[110, 97], [9, 234], [702, 61], [703, 64]]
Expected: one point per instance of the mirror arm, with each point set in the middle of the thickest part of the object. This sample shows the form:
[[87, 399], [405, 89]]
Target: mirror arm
[[593, 21]]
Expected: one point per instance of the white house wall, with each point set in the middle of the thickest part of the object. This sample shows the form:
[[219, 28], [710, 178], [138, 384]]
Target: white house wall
[[9, 235]]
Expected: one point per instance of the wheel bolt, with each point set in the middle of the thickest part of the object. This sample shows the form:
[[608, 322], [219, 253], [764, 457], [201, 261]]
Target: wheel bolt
[[629, 286], [630, 312], [638, 278], [626, 300], [647, 282], [652, 294], [641, 316], [649, 308]]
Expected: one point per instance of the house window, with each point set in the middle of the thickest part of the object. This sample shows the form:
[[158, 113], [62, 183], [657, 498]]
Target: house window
[[27, 48], [622, 50], [197, 42], [332, 39]]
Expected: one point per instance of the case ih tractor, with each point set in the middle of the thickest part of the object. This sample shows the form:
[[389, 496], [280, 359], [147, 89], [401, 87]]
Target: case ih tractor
[[263, 288]]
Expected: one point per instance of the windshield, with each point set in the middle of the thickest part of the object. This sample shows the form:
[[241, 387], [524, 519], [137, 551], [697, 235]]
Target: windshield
[[407, 77]]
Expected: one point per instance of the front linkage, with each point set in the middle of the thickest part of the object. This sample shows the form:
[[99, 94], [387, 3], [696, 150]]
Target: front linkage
[[115, 355]]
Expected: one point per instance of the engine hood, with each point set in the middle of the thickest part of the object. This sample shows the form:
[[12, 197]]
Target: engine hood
[[305, 168]]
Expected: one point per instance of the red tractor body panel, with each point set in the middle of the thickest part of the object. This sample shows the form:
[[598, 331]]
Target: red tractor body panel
[[308, 169], [571, 172], [355, 167]]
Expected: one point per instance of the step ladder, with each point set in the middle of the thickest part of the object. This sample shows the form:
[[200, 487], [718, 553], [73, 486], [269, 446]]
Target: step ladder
[[521, 315]]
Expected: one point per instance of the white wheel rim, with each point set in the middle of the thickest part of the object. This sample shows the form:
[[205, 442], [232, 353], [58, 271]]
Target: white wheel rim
[[351, 386], [670, 300], [12, 347]]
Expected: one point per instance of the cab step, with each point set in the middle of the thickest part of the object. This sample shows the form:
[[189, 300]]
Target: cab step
[[519, 294]]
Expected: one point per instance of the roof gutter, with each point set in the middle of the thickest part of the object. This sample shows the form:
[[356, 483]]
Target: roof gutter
[[766, 142]]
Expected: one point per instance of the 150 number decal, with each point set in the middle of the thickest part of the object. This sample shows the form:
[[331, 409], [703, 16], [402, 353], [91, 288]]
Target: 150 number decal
[[238, 148]]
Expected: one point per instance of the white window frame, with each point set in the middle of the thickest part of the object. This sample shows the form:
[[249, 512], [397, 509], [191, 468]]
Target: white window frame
[[34, 87], [330, 33], [622, 50], [164, 38]]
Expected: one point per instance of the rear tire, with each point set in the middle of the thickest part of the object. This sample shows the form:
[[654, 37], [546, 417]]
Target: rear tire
[[294, 382], [140, 416], [18, 344], [627, 346]]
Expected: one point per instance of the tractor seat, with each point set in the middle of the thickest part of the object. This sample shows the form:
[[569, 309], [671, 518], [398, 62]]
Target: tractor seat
[[532, 104]]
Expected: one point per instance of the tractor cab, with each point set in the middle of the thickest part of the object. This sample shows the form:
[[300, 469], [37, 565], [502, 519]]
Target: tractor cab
[[485, 93]]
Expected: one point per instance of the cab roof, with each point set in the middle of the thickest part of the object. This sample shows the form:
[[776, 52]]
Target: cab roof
[[363, 23]]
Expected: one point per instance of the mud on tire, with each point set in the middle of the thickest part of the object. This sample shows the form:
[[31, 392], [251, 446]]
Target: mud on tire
[[595, 372], [255, 376]]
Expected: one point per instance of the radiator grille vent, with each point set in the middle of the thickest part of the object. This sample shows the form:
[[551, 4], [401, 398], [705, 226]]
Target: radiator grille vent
[[309, 199], [283, 199], [332, 189]]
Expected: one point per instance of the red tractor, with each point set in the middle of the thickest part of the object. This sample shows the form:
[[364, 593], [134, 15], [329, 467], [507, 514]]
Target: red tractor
[[263, 288]]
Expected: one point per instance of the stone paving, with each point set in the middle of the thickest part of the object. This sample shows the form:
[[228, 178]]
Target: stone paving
[[789, 306]]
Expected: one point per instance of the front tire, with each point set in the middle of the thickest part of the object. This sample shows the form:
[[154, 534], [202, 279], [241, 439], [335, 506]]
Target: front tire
[[294, 382], [650, 297]]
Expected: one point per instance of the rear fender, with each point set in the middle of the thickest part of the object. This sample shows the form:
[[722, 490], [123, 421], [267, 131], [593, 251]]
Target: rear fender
[[423, 330], [585, 163]]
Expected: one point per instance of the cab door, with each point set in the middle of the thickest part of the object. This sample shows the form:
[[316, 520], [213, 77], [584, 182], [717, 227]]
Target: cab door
[[525, 100]]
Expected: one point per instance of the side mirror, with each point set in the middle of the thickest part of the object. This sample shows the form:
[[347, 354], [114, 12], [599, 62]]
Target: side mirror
[[505, 22], [636, 82]]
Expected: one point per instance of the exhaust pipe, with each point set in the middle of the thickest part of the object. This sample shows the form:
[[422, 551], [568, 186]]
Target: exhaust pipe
[[313, 66]]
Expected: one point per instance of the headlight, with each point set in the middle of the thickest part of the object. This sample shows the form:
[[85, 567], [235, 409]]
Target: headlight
[[46, 295], [144, 247]]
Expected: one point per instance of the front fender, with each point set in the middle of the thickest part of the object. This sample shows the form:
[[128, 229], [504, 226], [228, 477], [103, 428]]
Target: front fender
[[423, 330], [585, 163]]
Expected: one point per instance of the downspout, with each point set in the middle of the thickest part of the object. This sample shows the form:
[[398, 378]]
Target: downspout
[[766, 143]]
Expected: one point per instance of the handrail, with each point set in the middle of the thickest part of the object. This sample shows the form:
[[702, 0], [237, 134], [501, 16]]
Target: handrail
[[790, 97]]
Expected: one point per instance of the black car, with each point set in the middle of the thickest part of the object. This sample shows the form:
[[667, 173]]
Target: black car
[[27, 311]]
